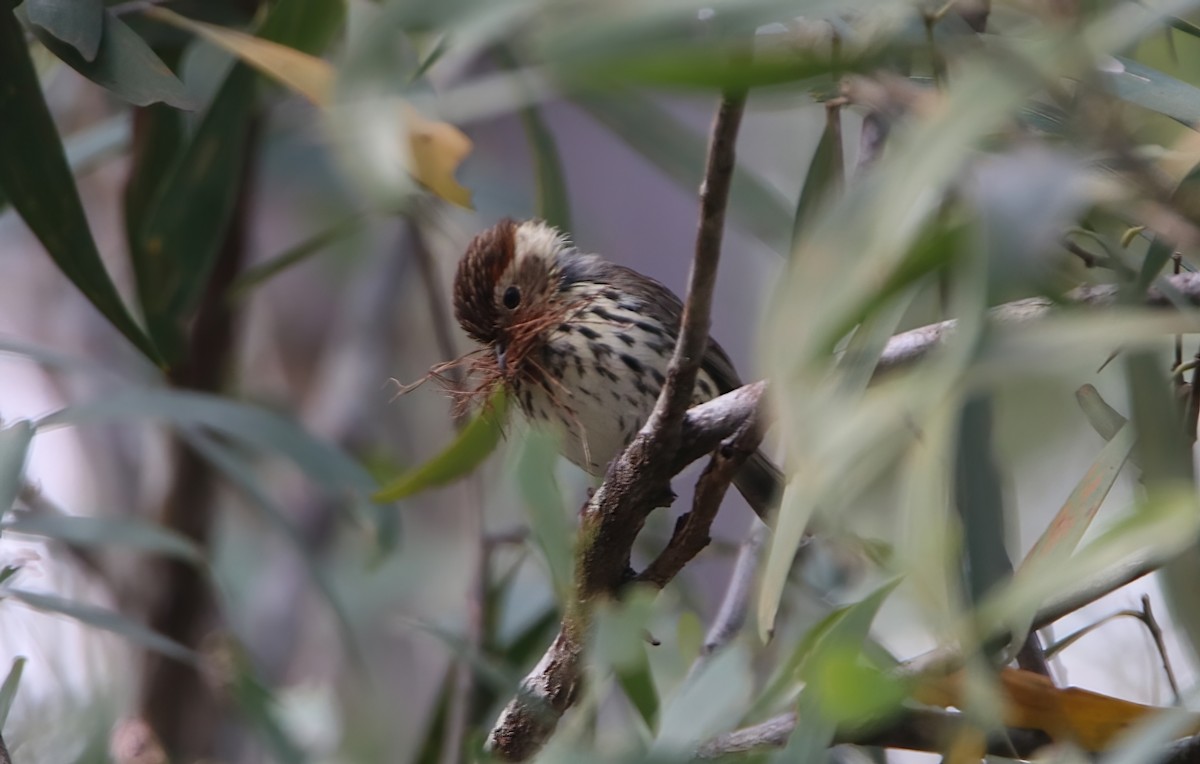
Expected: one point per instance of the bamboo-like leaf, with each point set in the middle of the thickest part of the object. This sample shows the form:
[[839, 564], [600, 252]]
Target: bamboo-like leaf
[[549, 523], [1185, 196], [1154, 90], [189, 215], [306, 74], [835, 657], [1075, 516], [272, 433], [14, 448], [638, 685], [242, 477], [709, 702], [826, 172], [8, 690], [124, 64], [106, 531], [108, 620], [476, 441], [78, 23], [38, 184], [1105, 420], [257, 275], [978, 492]]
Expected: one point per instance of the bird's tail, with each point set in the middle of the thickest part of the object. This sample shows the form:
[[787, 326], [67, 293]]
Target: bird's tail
[[761, 483]]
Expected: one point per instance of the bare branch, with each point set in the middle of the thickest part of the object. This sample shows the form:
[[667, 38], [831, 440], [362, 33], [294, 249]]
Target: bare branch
[[639, 479], [691, 529], [914, 730], [736, 602], [910, 346], [550, 687]]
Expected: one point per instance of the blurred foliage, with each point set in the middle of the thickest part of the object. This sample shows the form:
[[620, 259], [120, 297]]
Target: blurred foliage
[[1058, 148]]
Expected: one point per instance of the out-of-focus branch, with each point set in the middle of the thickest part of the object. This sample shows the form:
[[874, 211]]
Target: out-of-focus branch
[[731, 615], [180, 704], [550, 688], [458, 716], [914, 730], [913, 345], [639, 479]]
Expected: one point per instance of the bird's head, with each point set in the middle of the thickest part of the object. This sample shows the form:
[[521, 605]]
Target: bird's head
[[506, 289]]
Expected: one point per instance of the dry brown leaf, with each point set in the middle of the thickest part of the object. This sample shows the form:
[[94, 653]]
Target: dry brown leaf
[[1031, 701]]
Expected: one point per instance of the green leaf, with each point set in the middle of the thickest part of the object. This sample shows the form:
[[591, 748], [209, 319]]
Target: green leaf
[[1185, 198], [836, 656], [548, 520], [8, 690], [826, 172], [106, 531], [553, 203], [107, 620], [259, 274], [476, 441], [125, 65], [78, 23], [14, 448], [259, 706], [637, 683], [679, 152], [979, 494], [709, 702], [1163, 452], [1105, 420], [38, 184], [189, 216], [1067, 528], [1155, 90], [242, 477], [322, 462]]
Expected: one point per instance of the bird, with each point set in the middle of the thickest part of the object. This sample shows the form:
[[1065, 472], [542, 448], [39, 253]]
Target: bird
[[583, 344]]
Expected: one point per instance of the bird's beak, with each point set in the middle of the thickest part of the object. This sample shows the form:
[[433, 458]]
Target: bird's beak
[[502, 359]]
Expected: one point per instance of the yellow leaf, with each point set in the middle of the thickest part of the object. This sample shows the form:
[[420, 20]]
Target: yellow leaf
[[437, 149], [308, 75]]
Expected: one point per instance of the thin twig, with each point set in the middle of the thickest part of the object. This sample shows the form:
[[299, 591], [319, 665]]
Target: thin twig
[[692, 343], [639, 479], [731, 615], [439, 310], [1031, 657], [692, 528], [1089, 258], [1192, 415], [1147, 617]]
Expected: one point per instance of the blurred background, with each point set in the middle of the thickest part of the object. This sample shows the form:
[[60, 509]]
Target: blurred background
[[194, 562]]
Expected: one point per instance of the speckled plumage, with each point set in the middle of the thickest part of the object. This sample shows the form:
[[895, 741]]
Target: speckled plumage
[[583, 343]]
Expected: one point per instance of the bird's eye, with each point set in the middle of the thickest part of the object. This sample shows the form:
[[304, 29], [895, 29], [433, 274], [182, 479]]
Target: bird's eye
[[512, 297]]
